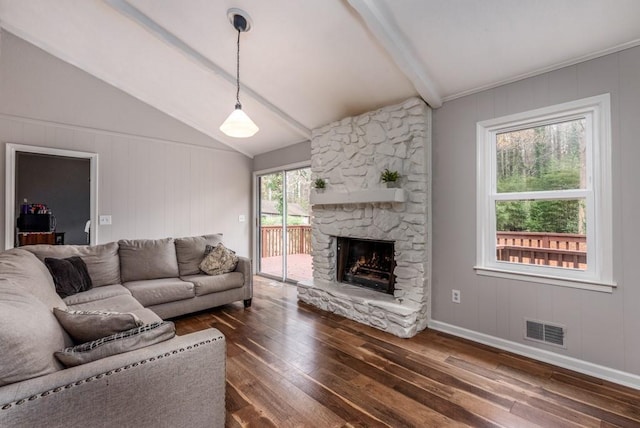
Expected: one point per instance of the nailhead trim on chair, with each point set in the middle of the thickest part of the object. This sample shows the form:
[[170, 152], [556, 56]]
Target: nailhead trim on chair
[[108, 373]]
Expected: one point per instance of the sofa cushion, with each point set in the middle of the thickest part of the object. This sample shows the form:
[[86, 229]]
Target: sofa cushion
[[24, 270], [103, 263], [98, 293], [119, 303], [205, 284], [146, 315], [29, 336], [190, 252], [118, 343], [70, 275], [218, 260], [155, 291], [85, 326], [147, 259]]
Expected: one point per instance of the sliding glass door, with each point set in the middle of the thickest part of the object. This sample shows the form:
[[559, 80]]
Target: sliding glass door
[[284, 230], [270, 245]]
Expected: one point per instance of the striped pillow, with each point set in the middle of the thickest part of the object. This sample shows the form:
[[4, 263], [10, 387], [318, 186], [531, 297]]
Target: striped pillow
[[118, 343], [85, 326]]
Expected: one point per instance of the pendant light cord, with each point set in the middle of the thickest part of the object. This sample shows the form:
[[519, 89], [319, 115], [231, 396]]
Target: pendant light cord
[[238, 124], [238, 105]]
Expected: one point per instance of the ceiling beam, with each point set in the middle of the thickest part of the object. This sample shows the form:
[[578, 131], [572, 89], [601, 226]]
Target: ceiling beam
[[165, 35], [387, 32]]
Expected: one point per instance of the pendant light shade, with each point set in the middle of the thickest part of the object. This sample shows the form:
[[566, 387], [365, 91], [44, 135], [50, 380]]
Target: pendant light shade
[[238, 124]]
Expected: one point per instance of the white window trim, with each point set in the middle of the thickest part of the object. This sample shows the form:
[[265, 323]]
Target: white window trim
[[599, 274]]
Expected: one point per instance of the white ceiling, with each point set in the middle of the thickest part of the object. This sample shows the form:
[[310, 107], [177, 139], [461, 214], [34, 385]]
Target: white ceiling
[[307, 63]]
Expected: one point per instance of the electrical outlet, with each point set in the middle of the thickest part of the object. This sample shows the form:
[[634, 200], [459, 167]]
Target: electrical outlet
[[241, 218], [105, 220], [455, 296]]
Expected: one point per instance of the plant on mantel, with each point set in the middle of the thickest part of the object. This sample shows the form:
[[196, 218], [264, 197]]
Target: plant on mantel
[[390, 178], [320, 184]]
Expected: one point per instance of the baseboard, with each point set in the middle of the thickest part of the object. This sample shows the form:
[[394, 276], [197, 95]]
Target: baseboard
[[580, 366]]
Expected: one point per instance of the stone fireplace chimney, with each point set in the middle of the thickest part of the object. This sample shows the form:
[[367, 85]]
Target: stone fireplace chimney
[[350, 155]]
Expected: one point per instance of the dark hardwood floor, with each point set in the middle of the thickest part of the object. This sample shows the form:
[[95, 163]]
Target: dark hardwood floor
[[289, 364]]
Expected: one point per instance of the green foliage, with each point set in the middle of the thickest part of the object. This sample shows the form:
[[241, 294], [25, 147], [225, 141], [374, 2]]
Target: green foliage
[[271, 188], [389, 176], [544, 158], [561, 216], [554, 216], [298, 188], [276, 220], [320, 183], [512, 216]]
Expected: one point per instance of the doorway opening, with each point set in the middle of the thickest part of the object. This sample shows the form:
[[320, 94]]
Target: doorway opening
[[51, 196], [284, 226]]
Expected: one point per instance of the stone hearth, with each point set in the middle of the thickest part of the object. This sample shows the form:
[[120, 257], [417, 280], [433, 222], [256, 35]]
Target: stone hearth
[[350, 155]]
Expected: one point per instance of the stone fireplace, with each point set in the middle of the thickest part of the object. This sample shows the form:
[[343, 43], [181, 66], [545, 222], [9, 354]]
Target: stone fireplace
[[350, 155]]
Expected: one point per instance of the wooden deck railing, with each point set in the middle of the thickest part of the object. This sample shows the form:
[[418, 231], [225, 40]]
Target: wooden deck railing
[[298, 240], [551, 249]]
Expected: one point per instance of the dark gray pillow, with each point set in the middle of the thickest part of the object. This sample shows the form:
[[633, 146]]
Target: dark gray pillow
[[70, 275], [103, 262], [85, 326], [118, 343]]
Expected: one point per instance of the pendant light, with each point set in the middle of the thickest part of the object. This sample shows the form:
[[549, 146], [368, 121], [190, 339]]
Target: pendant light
[[238, 124]]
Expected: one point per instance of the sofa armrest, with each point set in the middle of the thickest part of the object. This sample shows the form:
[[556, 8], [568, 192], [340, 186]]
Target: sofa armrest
[[179, 382], [244, 266]]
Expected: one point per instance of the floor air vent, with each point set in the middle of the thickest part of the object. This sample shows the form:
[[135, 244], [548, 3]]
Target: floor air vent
[[545, 333]]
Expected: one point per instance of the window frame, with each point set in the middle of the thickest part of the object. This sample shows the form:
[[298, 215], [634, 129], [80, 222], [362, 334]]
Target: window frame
[[597, 195]]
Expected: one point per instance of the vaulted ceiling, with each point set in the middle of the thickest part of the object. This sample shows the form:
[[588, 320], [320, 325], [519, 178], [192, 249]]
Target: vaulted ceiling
[[306, 63]]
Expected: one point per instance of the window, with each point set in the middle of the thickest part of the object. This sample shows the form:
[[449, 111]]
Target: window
[[544, 195]]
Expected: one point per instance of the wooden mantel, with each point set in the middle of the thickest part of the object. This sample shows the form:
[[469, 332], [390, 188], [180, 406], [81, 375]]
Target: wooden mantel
[[358, 197]]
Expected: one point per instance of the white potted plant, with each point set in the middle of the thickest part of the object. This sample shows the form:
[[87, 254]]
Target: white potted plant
[[390, 178], [320, 185]]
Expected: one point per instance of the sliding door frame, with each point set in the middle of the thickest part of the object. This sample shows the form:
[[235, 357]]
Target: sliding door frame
[[256, 212]]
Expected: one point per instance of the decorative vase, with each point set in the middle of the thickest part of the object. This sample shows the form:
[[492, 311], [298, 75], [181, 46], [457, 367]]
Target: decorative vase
[[320, 189], [392, 184]]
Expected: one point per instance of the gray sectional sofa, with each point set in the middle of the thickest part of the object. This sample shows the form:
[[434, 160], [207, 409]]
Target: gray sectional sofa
[[178, 382]]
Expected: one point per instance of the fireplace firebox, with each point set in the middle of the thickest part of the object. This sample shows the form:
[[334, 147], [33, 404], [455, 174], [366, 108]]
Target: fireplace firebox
[[366, 263]]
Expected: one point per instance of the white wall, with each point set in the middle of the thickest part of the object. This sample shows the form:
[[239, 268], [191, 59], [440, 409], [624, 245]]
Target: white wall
[[157, 177], [602, 328], [297, 153]]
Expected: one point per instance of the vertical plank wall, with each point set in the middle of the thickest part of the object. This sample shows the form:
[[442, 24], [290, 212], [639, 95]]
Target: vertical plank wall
[[602, 328], [157, 177], [152, 188]]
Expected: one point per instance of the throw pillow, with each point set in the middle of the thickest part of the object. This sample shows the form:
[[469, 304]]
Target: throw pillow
[[70, 275], [189, 252], [85, 326], [218, 260], [118, 343]]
